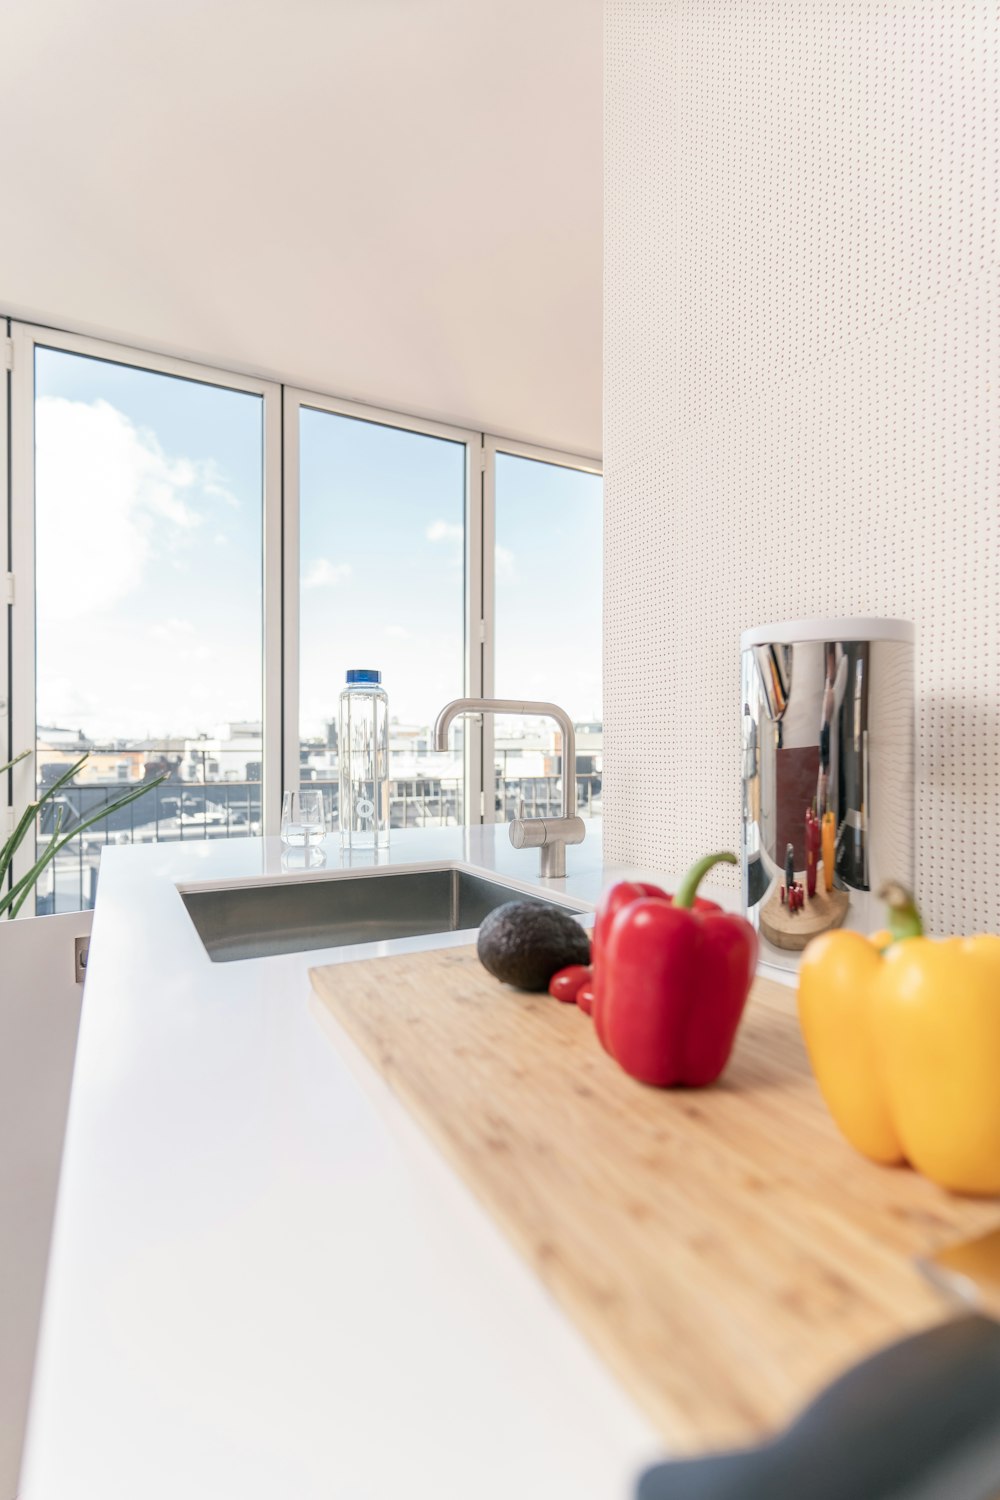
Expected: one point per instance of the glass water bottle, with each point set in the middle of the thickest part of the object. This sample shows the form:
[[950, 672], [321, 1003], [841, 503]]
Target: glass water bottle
[[363, 749]]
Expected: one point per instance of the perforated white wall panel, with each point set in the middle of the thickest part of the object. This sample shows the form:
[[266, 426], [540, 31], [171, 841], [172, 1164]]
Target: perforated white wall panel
[[802, 394]]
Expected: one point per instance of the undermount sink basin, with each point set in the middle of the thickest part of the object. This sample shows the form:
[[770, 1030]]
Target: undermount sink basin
[[256, 921]]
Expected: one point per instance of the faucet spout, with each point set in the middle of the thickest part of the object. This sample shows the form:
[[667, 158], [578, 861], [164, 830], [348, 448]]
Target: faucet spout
[[549, 835], [459, 706]]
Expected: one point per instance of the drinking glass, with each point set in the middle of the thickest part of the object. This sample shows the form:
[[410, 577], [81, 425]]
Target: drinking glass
[[302, 818]]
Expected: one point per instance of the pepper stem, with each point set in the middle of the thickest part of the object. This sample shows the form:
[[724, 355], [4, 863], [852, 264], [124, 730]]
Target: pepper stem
[[686, 891], [904, 919]]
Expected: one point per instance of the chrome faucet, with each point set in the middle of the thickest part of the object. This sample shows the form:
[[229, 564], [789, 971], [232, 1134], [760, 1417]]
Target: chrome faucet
[[550, 835]]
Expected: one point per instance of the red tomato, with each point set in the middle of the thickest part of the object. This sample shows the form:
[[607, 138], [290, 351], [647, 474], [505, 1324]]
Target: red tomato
[[585, 998], [567, 984]]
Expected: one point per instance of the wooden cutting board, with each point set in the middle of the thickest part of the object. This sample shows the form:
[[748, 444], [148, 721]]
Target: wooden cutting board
[[724, 1250]]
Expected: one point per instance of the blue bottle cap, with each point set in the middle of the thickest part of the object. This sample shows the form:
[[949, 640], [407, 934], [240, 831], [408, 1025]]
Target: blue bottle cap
[[357, 674]]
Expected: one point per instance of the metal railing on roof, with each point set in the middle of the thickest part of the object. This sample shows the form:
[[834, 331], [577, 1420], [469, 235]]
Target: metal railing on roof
[[207, 809]]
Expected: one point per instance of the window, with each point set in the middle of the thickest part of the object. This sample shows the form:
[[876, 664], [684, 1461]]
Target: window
[[199, 557], [148, 606], [547, 609], [382, 575]]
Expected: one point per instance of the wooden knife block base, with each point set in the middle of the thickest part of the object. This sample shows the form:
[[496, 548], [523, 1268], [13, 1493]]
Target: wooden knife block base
[[793, 929]]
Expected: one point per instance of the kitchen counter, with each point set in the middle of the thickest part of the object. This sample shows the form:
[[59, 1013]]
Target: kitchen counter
[[264, 1281]]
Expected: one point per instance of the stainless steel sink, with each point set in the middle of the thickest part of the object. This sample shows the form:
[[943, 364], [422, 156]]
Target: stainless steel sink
[[255, 921]]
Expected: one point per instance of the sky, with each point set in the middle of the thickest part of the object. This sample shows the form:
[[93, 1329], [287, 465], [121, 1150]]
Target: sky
[[147, 550], [548, 585], [148, 560], [382, 568]]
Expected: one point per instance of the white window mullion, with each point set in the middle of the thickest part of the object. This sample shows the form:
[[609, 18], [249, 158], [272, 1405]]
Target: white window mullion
[[490, 814], [22, 565], [475, 641], [291, 403], [273, 596]]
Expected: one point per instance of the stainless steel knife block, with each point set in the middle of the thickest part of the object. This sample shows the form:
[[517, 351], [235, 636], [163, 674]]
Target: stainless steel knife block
[[827, 775]]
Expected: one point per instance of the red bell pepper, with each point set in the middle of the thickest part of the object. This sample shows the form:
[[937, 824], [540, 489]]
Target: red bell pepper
[[673, 983], [614, 900]]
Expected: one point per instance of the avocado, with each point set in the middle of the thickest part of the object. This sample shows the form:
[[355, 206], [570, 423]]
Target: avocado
[[525, 942]]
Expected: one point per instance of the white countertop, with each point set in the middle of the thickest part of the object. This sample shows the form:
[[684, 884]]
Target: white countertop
[[265, 1284]]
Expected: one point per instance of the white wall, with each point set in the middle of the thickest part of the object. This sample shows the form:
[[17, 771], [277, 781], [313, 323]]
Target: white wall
[[39, 1018], [802, 393], [391, 201]]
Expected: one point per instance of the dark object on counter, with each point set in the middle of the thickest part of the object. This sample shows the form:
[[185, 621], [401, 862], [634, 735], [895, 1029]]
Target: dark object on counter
[[918, 1421], [789, 868], [524, 943], [756, 881]]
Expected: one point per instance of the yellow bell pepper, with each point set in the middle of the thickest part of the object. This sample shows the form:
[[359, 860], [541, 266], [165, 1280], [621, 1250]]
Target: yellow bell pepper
[[903, 1033]]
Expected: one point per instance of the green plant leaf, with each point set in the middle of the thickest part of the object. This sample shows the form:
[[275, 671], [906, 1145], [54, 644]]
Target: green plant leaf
[[61, 781], [12, 763], [16, 839], [16, 902], [11, 901]]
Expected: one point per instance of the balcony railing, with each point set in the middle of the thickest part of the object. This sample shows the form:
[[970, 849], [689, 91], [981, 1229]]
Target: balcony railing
[[176, 810]]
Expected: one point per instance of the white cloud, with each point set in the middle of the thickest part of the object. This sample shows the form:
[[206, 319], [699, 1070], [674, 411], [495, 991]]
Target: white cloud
[[172, 630], [397, 632], [504, 561], [131, 637], [323, 574], [213, 482], [445, 531], [110, 504], [73, 698]]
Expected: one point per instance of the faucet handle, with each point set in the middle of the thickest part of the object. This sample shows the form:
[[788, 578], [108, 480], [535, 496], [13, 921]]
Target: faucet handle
[[520, 809], [527, 833]]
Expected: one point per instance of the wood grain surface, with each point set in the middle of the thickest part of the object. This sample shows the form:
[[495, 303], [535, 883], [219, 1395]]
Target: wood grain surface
[[793, 930], [724, 1250]]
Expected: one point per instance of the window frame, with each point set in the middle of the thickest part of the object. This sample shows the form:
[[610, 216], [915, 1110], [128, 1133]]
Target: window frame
[[26, 339], [492, 446], [296, 399], [6, 605], [281, 403]]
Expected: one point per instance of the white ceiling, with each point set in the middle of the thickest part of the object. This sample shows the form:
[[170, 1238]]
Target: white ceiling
[[397, 201]]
